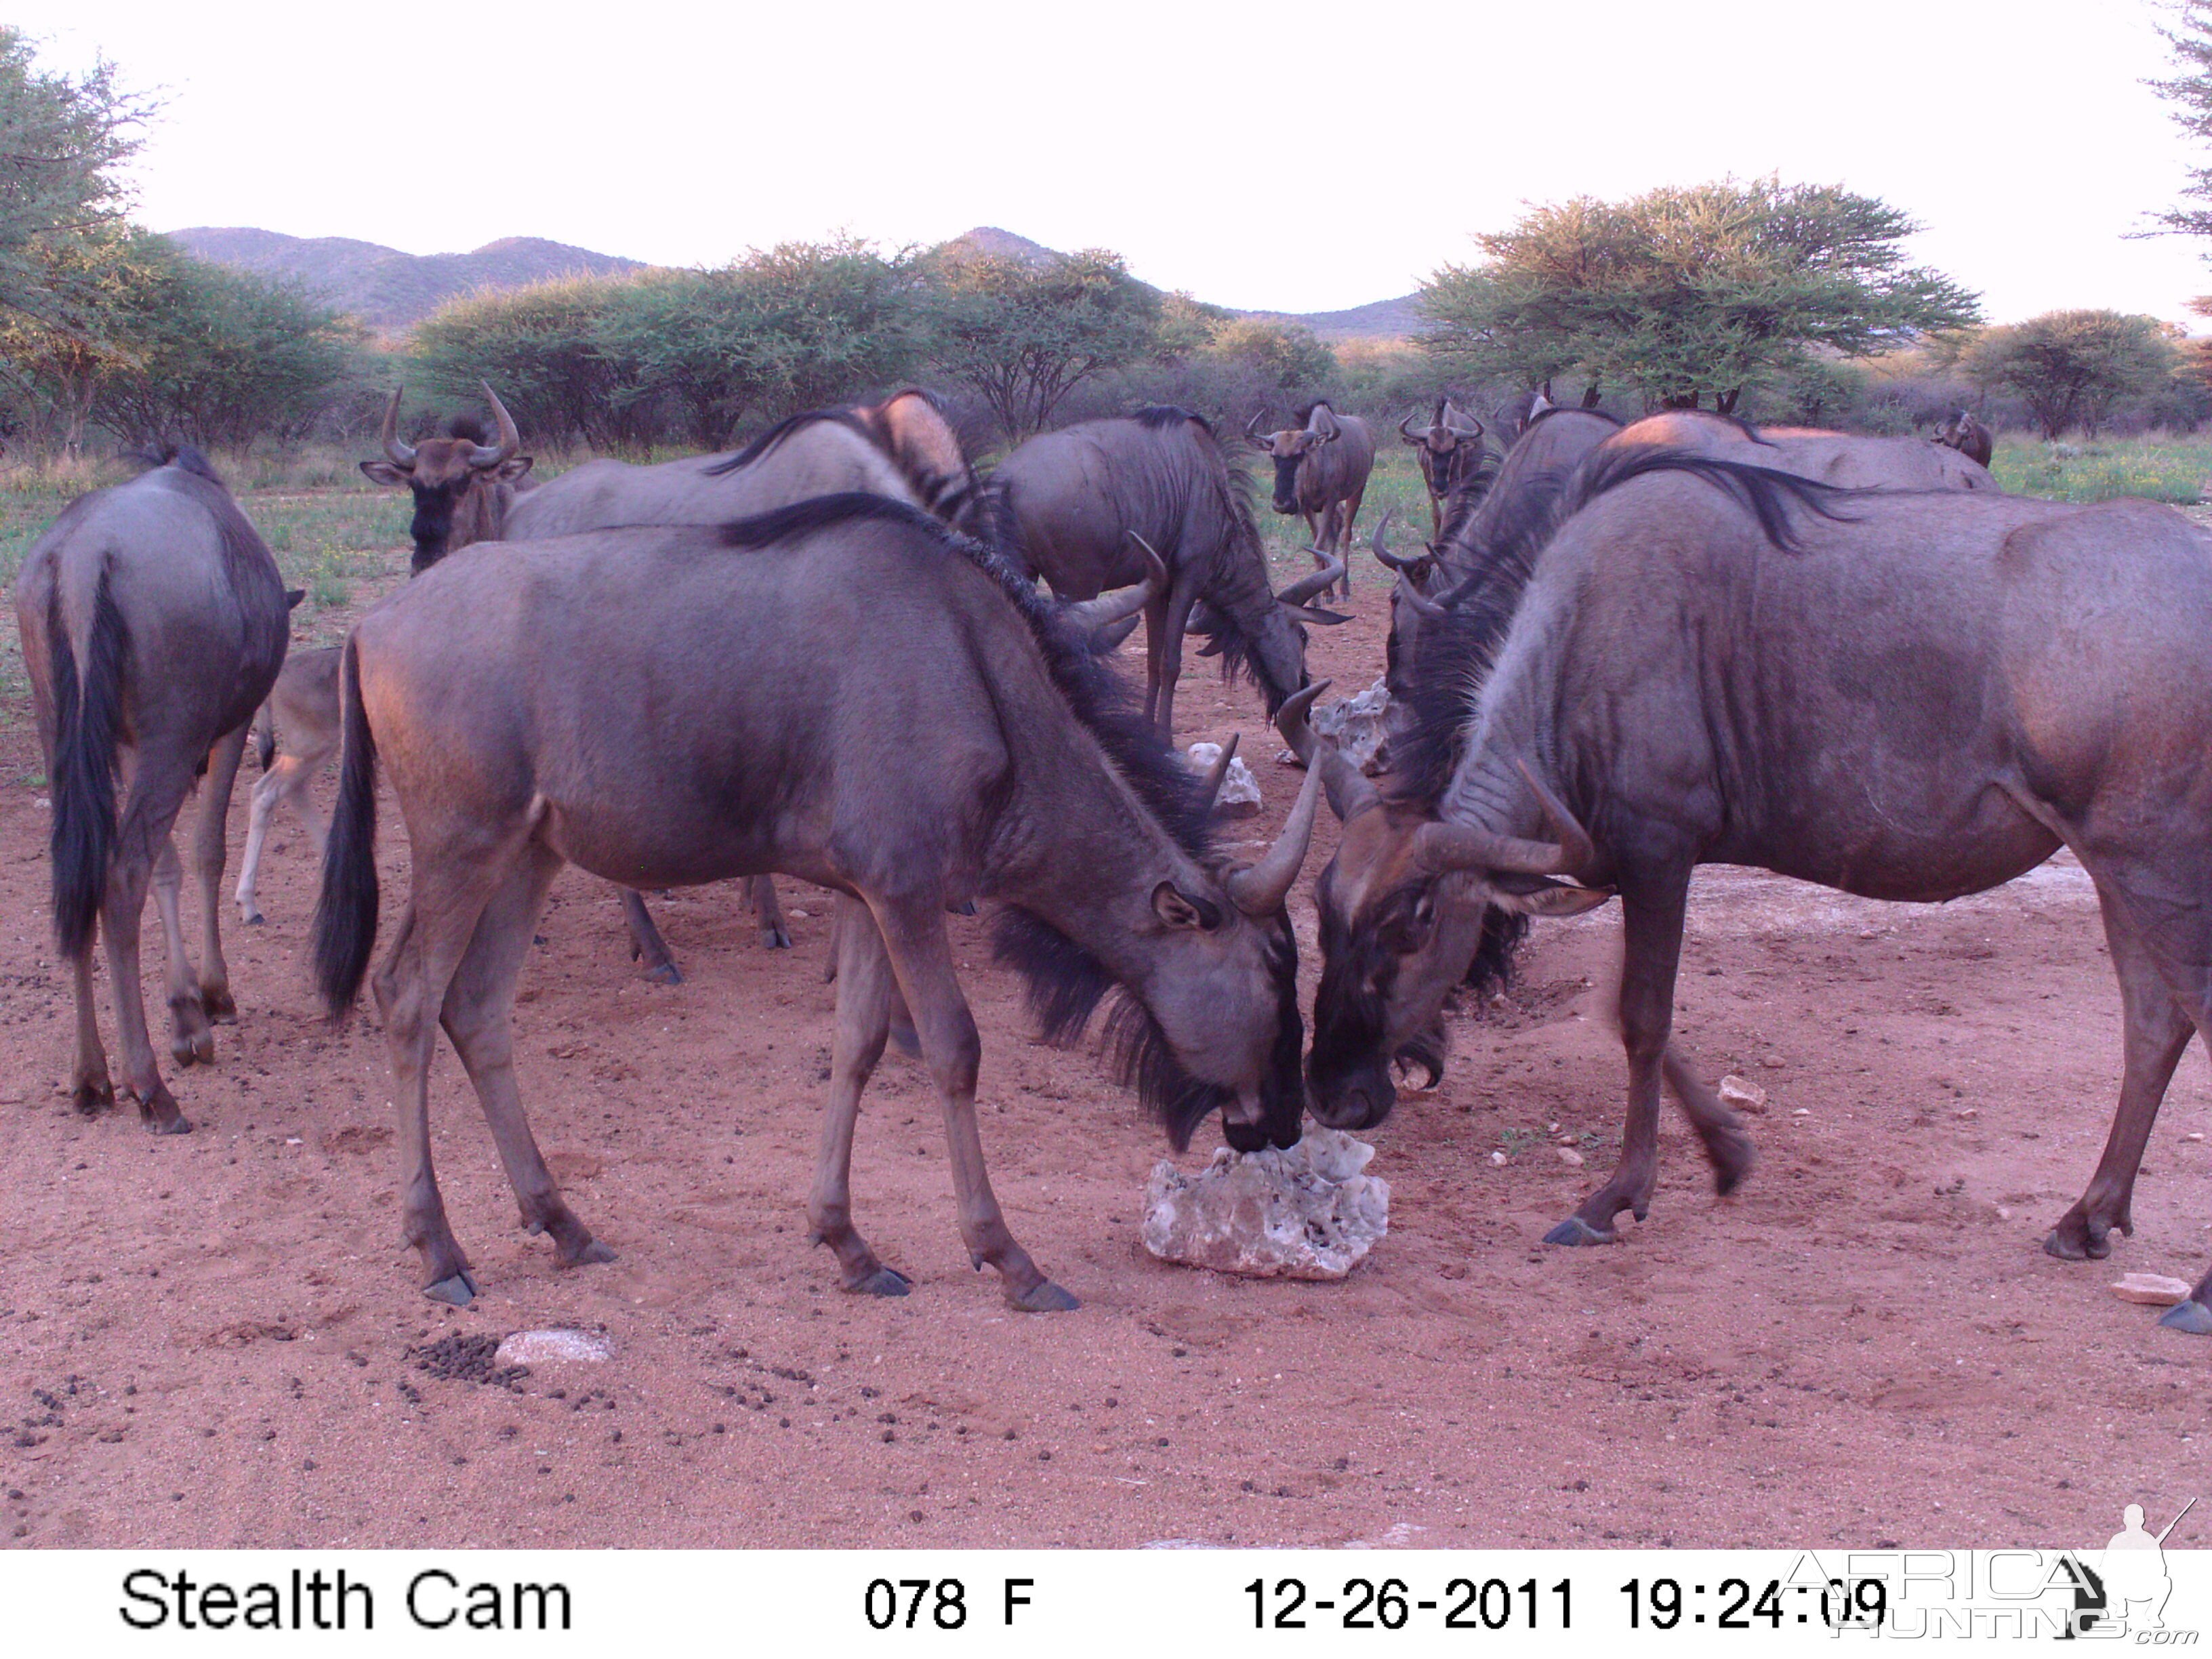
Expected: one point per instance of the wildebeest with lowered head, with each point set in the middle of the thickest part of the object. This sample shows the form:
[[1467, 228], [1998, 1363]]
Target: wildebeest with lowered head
[[620, 700], [1320, 473], [153, 622], [1900, 696], [1454, 462], [1085, 503]]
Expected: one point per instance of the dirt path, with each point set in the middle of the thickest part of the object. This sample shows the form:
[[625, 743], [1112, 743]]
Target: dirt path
[[207, 1340]]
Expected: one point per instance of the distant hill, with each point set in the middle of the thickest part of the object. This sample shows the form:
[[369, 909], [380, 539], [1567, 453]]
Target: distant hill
[[386, 288], [391, 291]]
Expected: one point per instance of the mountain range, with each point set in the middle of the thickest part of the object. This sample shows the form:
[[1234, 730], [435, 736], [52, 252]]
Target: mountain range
[[391, 291]]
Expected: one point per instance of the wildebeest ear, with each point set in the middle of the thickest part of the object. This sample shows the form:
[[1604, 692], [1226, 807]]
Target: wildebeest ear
[[293, 596], [1178, 909], [510, 470], [384, 472], [1549, 898]]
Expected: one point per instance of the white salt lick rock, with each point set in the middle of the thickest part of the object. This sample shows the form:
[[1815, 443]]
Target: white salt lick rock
[[1240, 790], [552, 1347], [2153, 1290], [1355, 725], [1304, 1213]]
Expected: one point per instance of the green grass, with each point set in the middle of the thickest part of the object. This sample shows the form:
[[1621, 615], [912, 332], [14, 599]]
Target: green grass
[[2175, 470]]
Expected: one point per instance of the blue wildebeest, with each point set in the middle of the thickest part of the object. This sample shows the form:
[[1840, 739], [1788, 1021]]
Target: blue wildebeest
[[1085, 506], [1452, 457], [1963, 433], [1673, 689], [153, 623], [1320, 473], [620, 700]]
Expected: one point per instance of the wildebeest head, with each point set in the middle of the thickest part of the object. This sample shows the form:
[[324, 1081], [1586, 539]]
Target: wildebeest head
[[1449, 447], [457, 480], [1290, 447], [1963, 433], [1404, 903]]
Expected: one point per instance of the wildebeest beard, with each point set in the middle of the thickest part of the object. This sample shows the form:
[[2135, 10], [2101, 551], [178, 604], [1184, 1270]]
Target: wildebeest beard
[[1065, 984]]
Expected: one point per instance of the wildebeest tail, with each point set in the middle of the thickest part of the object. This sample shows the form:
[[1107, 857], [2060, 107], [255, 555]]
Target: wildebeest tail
[[88, 719], [345, 914]]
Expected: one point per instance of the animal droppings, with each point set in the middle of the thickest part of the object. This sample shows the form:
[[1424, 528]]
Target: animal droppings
[[1741, 1095], [553, 1346], [1355, 725], [1304, 1213], [2153, 1290], [1240, 790]]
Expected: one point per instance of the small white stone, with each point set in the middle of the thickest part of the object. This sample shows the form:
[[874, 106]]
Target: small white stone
[[1498, 1158], [2003, 1214], [1966, 1111], [804, 915], [553, 1348], [1570, 1157], [2192, 1135], [1802, 1112], [1304, 1213], [1773, 1062], [2155, 1289], [1742, 1095]]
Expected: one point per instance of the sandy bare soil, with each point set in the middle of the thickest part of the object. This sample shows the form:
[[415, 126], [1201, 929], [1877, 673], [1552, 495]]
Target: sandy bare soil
[[216, 1339]]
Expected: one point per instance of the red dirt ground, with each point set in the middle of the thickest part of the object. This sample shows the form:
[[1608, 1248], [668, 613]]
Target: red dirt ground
[[205, 1341]]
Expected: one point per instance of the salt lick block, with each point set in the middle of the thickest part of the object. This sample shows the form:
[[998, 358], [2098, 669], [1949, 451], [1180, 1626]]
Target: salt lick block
[[1355, 725], [1240, 790], [2153, 1290], [1304, 1213], [551, 1347]]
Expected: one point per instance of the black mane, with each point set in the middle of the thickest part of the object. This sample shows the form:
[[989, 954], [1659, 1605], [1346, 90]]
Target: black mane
[[777, 433], [1158, 416]]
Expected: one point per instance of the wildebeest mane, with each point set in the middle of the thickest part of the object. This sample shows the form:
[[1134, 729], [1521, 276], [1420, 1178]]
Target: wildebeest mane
[[1766, 492], [1234, 583], [782, 429], [1159, 416]]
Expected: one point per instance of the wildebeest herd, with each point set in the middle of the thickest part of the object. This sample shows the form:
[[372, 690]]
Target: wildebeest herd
[[1629, 650]]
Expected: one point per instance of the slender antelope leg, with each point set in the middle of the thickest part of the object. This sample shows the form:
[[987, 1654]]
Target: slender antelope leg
[[210, 847], [1652, 912], [922, 956], [286, 780], [645, 940], [192, 1038], [90, 1089], [478, 1015], [773, 935], [865, 991], [1727, 1148]]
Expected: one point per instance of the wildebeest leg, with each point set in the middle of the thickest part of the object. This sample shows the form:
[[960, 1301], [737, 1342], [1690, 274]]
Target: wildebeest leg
[[451, 890], [645, 940], [285, 780], [211, 850], [865, 991], [142, 841], [89, 1087], [1652, 912], [192, 1038], [2158, 1031], [769, 914], [1347, 527], [922, 956], [478, 1015], [1727, 1148], [1166, 667]]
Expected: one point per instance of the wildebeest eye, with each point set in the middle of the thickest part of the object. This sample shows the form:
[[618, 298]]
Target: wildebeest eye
[[1412, 918]]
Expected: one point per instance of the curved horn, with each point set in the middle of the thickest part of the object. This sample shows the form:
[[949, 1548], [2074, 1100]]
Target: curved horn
[[1108, 608], [1437, 419], [510, 441], [1442, 847], [1467, 425], [1220, 773], [1408, 436], [1420, 601], [1156, 568], [400, 454], [1349, 791], [1252, 431], [1390, 560], [1259, 890], [1320, 582]]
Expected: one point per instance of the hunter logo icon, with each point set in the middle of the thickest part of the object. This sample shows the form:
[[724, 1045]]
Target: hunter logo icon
[[2135, 1581]]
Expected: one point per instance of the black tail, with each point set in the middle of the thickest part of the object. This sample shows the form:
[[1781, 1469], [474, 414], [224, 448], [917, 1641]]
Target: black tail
[[88, 715], [345, 914]]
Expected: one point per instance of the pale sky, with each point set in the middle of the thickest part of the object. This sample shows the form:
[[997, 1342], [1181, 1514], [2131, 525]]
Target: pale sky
[[1268, 155]]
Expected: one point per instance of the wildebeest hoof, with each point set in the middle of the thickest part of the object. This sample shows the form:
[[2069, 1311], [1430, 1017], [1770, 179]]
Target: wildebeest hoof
[[251, 917], [1576, 1231], [93, 1098], [884, 1281], [2191, 1316], [1043, 1297], [774, 938], [175, 1123], [667, 974], [458, 1288], [2071, 1240], [592, 1251], [219, 1005]]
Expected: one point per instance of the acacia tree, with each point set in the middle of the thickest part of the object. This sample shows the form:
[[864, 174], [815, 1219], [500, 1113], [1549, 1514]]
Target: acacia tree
[[61, 139], [1687, 294], [2190, 92], [1025, 335], [2072, 366]]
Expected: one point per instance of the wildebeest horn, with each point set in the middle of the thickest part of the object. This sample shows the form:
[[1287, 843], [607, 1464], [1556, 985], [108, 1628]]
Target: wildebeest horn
[[1108, 608], [1420, 601], [1389, 559], [1408, 436], [1348, 789], [1460, 422], [510, 441], [1442, 847], [400, 454], [1320, 582], [1219, 775], [1252, 429], [1259, 890]]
